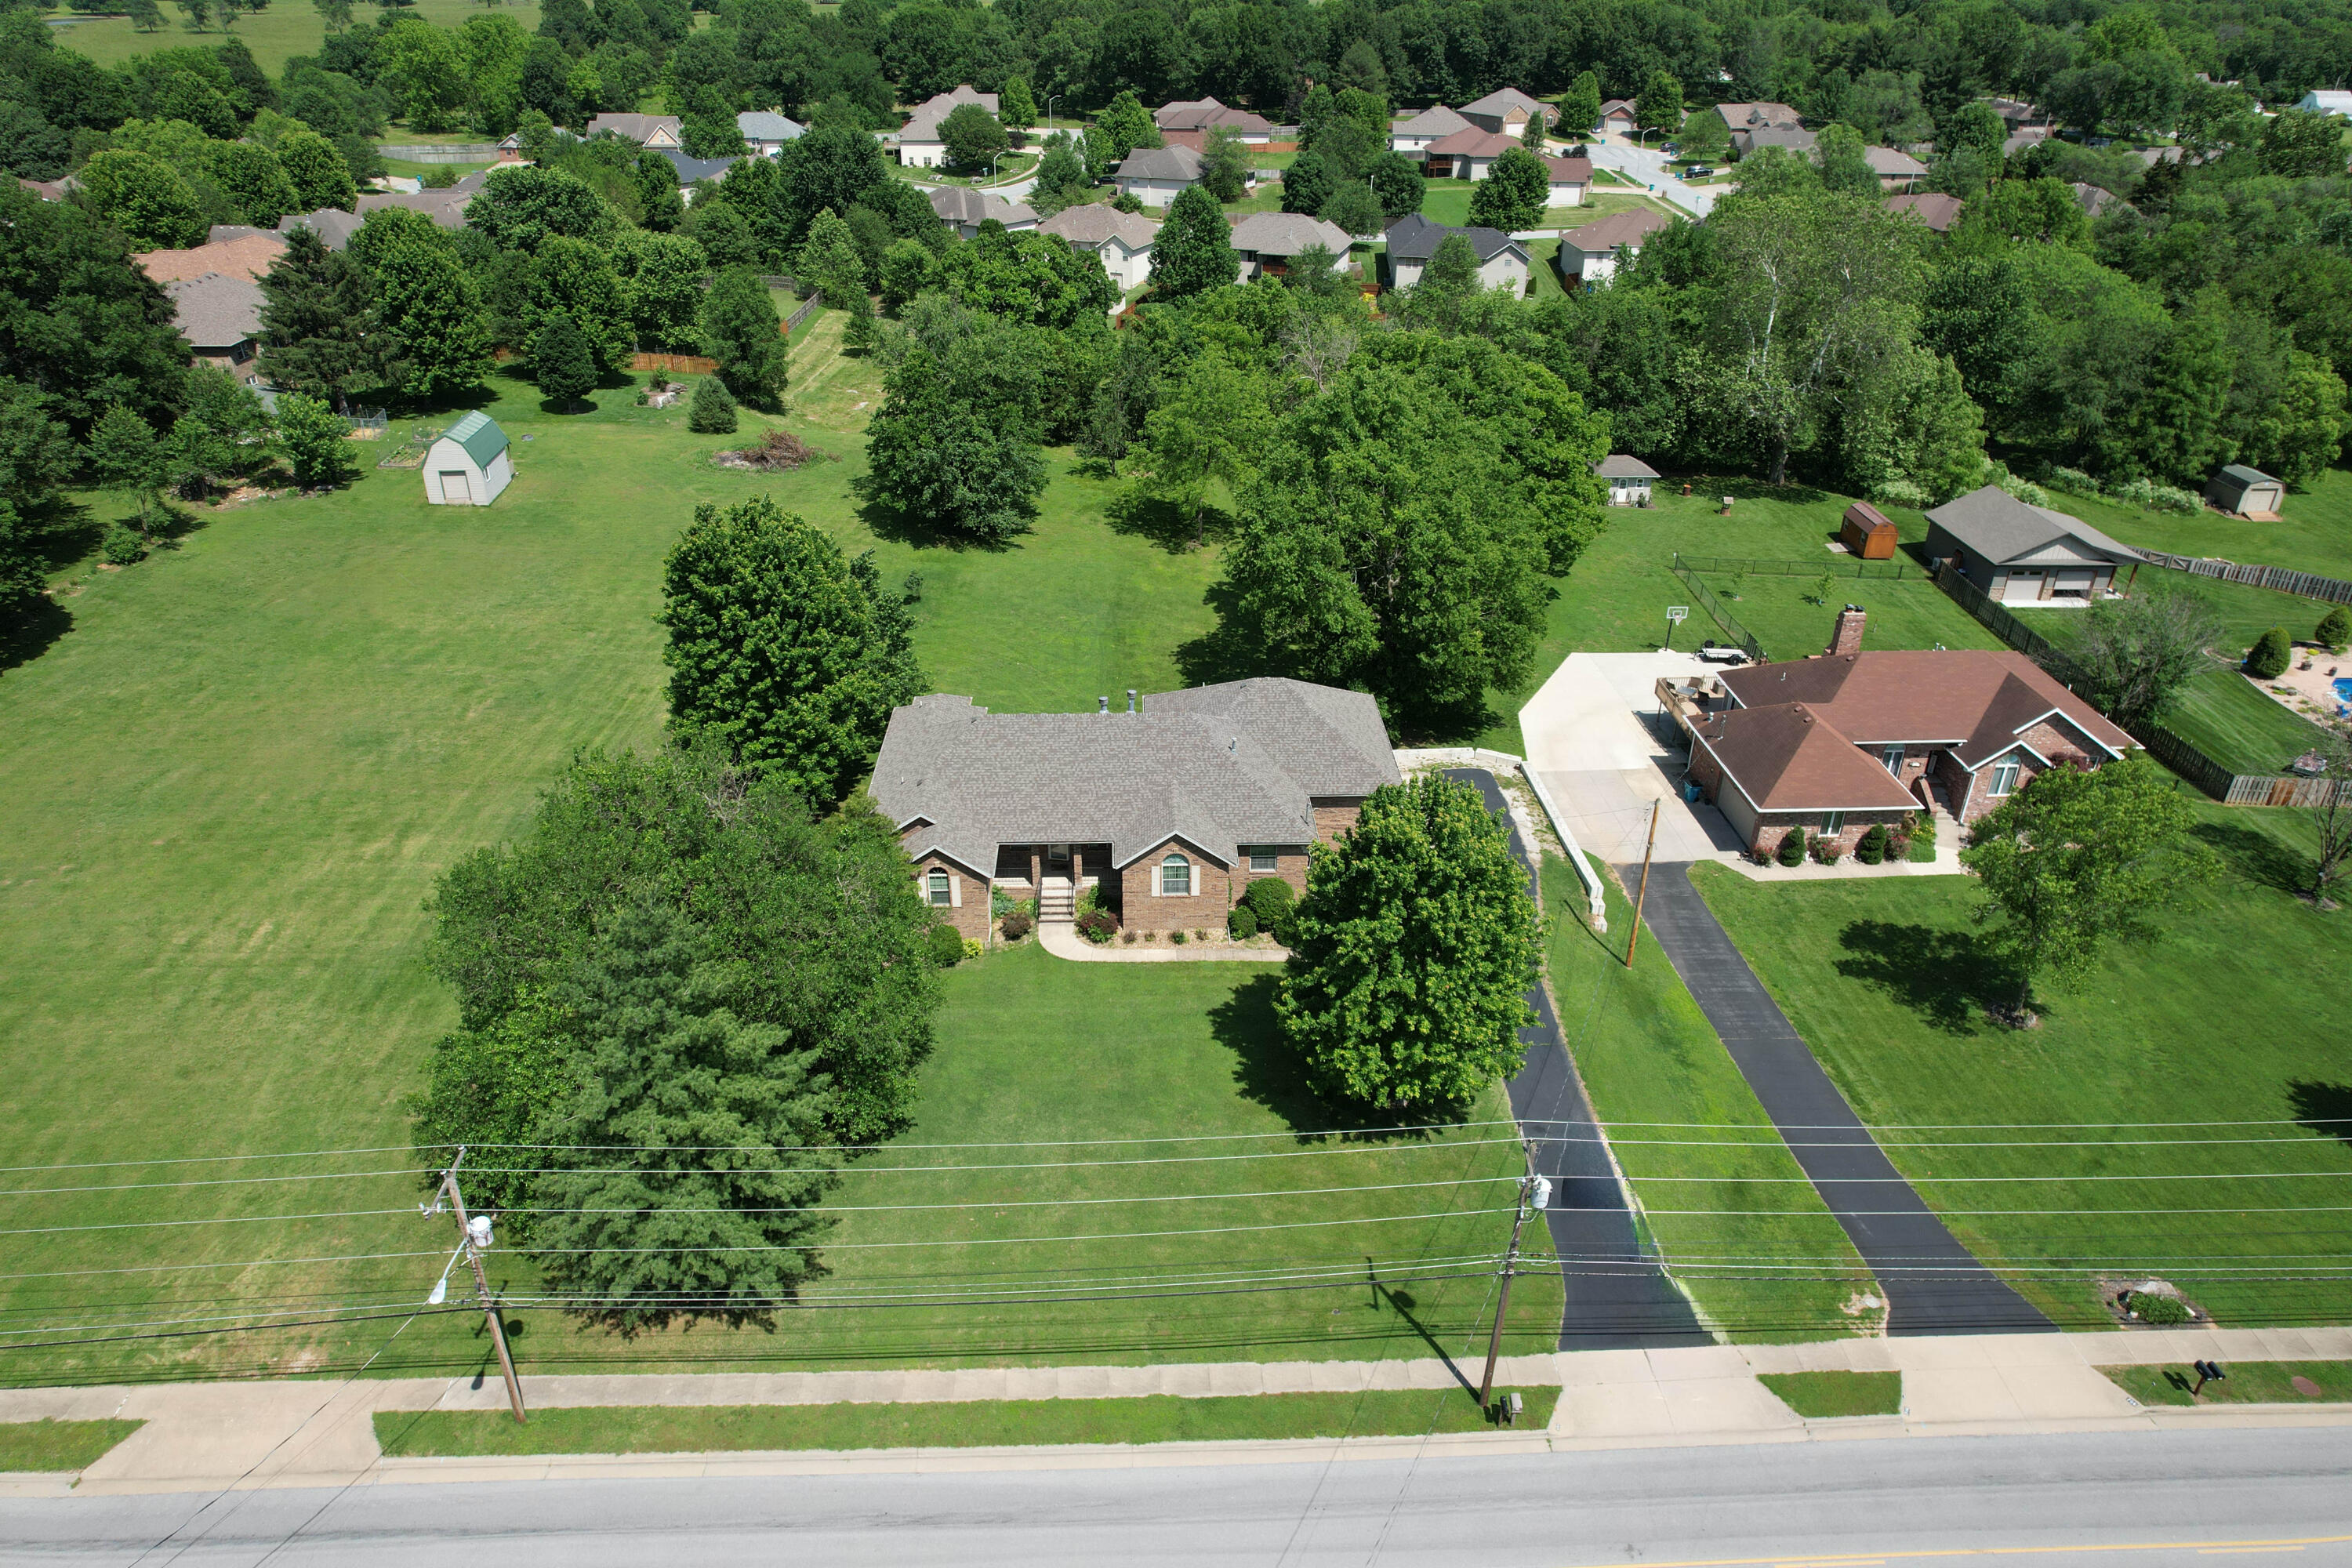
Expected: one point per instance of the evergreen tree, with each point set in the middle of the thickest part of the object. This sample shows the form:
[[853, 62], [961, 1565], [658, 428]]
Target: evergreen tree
[[941, 457], [1017, 107], [2270, 655], [1533, 137], [1193, 251], [1308, 184], [712, 412], [316, 442], [1398, 184], [784, 650], [318, 320], [1515, 193], [742, 331], [562, 362], [36, 455], [660, 208]]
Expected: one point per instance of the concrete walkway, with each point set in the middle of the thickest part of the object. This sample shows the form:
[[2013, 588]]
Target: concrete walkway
[[1933, 1284], [1615, 1296], [254, 1436]]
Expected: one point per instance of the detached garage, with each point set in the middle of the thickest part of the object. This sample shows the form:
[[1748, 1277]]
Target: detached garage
[[469, 464]]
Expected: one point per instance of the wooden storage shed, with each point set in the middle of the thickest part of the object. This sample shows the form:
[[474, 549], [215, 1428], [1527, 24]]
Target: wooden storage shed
[[2242, 491], [469, 464], [1866, 532]]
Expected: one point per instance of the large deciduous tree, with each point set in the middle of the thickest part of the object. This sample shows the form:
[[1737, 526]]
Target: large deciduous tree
[[2136, 653], [1412, 953], [1515, 193], [1193, 251], [941, 457], [1028, 278], [145, 199], [971, 136], [782, 651], [742, 331]]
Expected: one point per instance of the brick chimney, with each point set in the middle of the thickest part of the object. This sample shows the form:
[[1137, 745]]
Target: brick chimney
[[1847, 637]]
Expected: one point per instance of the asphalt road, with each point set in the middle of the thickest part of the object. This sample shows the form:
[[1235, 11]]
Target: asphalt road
[[2158, 1499]]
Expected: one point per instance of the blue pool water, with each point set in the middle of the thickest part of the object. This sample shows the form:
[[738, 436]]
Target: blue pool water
[[2344, 689]]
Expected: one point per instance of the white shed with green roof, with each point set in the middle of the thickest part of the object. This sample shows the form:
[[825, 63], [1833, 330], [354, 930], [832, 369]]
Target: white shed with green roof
[[469, 464]]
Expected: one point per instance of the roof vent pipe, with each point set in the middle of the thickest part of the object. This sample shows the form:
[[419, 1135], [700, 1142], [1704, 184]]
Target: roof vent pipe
[[1102, 704], [1130, 698]]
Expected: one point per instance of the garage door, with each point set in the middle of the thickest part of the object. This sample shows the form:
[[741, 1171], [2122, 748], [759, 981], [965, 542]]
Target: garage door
[[2024, 587], [2074, 584]]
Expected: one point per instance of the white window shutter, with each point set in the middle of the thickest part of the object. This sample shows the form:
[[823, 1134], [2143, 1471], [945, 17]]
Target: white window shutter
[[955, 891]]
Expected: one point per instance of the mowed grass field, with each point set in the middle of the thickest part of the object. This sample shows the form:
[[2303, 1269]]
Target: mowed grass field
[[230, 784], [275, 35], [2184, 1113]]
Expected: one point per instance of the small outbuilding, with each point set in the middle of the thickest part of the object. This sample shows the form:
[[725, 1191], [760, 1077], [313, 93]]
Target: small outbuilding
[[2242, 491], [1866, 532], [1629, 478], [469, 464]]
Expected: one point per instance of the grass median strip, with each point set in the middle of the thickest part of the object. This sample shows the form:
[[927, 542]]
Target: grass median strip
[[2248, 1382], [59, 1445], [971, 1424], [1817, 1395]]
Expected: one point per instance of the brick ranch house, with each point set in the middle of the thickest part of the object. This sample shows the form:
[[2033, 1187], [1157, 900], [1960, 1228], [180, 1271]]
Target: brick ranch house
[[1845, 739], [1169, 811]]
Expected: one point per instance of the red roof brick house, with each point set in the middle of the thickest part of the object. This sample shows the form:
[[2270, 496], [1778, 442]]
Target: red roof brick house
[[1168, 812], [1848, 739]]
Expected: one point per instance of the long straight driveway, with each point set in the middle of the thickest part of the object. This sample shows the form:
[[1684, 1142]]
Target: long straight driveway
[[1616, 1298], [1933, 1284]]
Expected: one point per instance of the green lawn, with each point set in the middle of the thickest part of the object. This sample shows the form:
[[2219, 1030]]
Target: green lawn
[[2249, 1382], [1655, 1068], [274, 35], [2227, 1016], [2313, 532], [231, 783], [59, 1445], [973, 1424], [1791, 615], [1816, 1396], [1448, 202]]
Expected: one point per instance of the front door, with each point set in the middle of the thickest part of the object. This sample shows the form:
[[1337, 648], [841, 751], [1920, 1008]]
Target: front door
[[455, 490]]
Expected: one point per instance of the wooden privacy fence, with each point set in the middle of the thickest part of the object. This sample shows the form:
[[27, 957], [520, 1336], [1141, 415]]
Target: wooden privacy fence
[[684, 364], [1744, 639], [2179, 755], [2278, 579], [797, 317]]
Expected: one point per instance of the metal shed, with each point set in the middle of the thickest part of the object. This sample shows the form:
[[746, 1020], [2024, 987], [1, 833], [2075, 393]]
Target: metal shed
[[469, 464], [2242, 491]]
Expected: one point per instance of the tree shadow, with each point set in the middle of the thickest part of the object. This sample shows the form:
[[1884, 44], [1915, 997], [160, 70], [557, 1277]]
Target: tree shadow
[[2256, 857], [1267, 1072], [567, 408], [921, 533], [41, 624], [1942, 975], [1796, 492], [1235, 651], [2325, 1107], [1173, 528]]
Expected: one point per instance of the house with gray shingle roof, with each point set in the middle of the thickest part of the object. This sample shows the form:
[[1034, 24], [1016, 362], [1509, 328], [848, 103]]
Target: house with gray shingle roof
[[1507, 110], [1120, 241], [965, 209], [1413, 240], [1167, 811], [1271, 241], [2024, 555], [1155, 175], [919, 146], [765, 131], [220, 315], [1415, 135]]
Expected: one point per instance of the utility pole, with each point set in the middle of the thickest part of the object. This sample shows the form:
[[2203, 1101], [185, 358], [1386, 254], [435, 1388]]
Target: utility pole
[[1533, 1192], [1633, 938], [473, 1234]]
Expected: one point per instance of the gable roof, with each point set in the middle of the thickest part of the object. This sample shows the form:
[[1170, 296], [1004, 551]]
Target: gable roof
[[216, 310], [1504, 99], [1219, 766], [1795, 138], [1162, 164], [332, 224], [1973, 700], [1934, 208], [249, 256], [1623, 465], [1413, 237], [923, 124], [1884, 160], [1996, 525], [767, 126], [692, 169], [1618, 106], [1097, 224], [444, 207], [1288, 234], [638, 128], [961, 203], [1748, 116], [1472, 142], [1784, 757], [1205, 114], [1435, 121], [479, 435], [1629, 227], [1573, 169]]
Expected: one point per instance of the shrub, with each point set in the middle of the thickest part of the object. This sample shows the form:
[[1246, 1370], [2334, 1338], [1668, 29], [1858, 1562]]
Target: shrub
[[1827, 851], [1921, 838], [946, 946], [974, 947], [1097, 926], [1793, 847], [1271, 899], [1871, 849], [2268, 658], [2070, 481], [1177, 937], [1014, 925], [2336, 629], [1241, 922], [1901, 492], [2162, 1311], [1128, 937], [712, 412], [2157, 497], [124, 546]]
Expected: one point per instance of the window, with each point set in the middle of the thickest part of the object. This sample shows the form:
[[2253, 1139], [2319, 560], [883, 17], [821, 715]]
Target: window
[[1894, 760], [2004, 775], [1176, 878], [1058, 854], [1834, 823], [938, 882], [1262, 859]]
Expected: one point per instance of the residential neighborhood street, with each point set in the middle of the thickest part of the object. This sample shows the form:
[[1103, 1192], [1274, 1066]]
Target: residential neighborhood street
[[1648, 167]]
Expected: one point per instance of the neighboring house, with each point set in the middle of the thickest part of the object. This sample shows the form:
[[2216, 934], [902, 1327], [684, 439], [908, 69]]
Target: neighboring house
[[48, 190], [1866, 532], [1507, 110], [1167, 813], [1896, 170], [2021, 555], [2020, 115], [248, 256], [220, 315], [1414, 136], [1154, 176], [1937, 211], [1207, 114], [654, 131], [1413, 240], [2098, 201], [469, 464], [1269, 242], [2018, 141], [2326, 100], [1588, 255], [332, 224], [1839, 742], [1617, 122], [692, 169], [2242, 491], [1467, 154], [965, 209], [1743, 119], [1120, 241], [1629, 478], [765, 131], [1572, 178], [918, 139], [446, 207], [1795, 138]]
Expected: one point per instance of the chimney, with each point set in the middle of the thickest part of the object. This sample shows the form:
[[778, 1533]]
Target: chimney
[[1102, 704], [1847, 637], [1130, 698]]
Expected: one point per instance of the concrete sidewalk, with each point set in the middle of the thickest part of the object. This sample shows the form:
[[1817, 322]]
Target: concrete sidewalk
[[243, 1436]]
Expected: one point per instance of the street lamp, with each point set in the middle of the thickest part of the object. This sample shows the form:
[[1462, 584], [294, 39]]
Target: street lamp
[[1051, 99]]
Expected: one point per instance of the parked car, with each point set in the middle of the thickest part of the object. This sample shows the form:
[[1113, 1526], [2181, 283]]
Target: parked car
[[1699, 172]]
